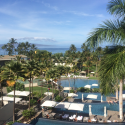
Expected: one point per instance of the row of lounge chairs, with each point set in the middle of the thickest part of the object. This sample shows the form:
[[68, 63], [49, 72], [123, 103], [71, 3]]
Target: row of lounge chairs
[[75, 118]]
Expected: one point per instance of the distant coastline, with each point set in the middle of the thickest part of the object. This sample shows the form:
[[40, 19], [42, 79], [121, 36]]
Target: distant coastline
[[53, 50]]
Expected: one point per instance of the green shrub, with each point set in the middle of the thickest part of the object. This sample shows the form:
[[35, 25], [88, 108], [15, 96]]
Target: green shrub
[[56, 93], [11, 122], [32, 102], [76, 73], [28, 113], [58, 98], [82, 89], [18, 86], [95, 90], [72, 91], [49, 86]]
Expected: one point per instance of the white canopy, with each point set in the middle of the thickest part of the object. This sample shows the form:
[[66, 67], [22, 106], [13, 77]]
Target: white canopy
[[72, 94], [123, 95], [6, 98], [92, 72], [87, 86], [63, 105], [48, 93], [24, 93], [94, 84], [76, 106], [12, 93], [67, 88], [49, 103], [92, 96]]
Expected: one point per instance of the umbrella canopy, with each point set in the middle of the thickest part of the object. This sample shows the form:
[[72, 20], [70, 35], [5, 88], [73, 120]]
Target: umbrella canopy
[[67, 88], [76, 106], [87, 86], [12, 93], [24, 93], [48, 93], [6, 98], [123, 95], [94, 84], [63, 105], [72, 94], [92, 96], [48, 103]]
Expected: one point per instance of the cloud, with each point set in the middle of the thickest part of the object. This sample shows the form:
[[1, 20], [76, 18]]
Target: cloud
[[42, 45], [41, 39], [46, 4], [83, 14]]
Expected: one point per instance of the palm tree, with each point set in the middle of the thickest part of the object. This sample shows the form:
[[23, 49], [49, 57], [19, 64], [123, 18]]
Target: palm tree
[[112, 31], [11, 72], [31, 69]]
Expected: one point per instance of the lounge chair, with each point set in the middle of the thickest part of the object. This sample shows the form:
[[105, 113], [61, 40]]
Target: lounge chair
[[93, 120], [65, 116], [79, 118], [115, 120], [108, 121], [72, 117], [85, 119]]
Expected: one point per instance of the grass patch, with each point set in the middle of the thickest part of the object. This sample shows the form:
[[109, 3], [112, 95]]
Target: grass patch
[[95, 78], [38, 89]]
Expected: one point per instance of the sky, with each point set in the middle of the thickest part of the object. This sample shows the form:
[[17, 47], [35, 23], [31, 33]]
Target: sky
[[51, 23]]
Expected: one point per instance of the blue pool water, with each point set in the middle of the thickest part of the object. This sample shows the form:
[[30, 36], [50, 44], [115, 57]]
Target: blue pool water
[[79, 83], [86, 94], [97, 108], [42, 121]]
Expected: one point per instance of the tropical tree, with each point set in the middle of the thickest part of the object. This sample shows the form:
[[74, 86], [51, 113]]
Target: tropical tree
[[31, 69], [11, 73], [112, 31]]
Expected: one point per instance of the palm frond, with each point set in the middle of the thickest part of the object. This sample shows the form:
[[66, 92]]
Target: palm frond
[[109, 31]]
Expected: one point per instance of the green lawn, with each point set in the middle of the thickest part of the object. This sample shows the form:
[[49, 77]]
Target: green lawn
[[38, 89], [95, 78]]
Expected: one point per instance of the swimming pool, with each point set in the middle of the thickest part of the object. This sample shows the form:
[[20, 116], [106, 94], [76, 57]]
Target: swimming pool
[[42, 121], [97, 108], [79, 83]]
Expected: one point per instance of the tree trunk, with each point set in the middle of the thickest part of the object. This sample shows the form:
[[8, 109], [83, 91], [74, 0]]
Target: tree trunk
[[52, 88], [88, 70], [121, 100], [29, 91], [69, 86], [41, 86], [32, 87], [1, 95], [117, 93], [96, 69], [14, 106]]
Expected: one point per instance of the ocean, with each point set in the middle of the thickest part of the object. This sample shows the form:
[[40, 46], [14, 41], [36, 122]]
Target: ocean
[[53, 50]]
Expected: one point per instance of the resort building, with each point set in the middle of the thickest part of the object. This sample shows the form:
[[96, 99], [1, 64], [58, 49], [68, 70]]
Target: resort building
[[6, 58]]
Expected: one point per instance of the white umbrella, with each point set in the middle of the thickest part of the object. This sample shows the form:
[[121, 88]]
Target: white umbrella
[[90, 113], [64, 105], [95, 84], [12, 93], [24, 93], [48, 93], [87, 86], [105, 111], [123, 95], [92, 96], [72, 94], [48, 103], [76, 106], [6, 98], [67, 88]]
